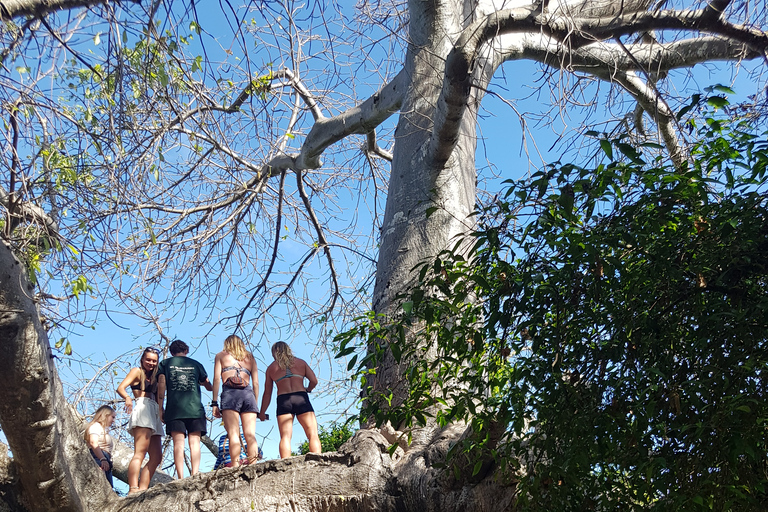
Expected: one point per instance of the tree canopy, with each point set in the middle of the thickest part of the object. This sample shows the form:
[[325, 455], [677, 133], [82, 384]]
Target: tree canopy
[[610, 323]]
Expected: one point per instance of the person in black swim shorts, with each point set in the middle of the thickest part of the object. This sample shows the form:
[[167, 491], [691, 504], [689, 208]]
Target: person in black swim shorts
[[288, 373], [235, 369], [294, 403]]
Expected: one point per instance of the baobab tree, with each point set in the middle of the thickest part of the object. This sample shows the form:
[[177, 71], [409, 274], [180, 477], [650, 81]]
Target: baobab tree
[[160, 170]]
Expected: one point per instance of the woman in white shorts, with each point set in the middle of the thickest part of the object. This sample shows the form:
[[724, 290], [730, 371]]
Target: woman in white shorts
[[145, 424]]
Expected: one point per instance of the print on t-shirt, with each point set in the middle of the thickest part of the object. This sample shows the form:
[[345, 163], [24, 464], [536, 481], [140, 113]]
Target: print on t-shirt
[[183, 378]]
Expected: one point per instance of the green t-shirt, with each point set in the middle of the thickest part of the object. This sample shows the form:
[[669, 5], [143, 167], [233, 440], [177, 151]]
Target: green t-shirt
[[183, 376]]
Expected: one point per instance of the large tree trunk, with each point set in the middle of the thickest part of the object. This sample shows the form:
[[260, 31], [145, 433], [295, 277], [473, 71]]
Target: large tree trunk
[[428, 202], [55, 468]]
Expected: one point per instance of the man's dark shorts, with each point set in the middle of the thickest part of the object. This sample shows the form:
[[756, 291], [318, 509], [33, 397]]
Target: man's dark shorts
[[187, 425], [239, 400], [294, 403]]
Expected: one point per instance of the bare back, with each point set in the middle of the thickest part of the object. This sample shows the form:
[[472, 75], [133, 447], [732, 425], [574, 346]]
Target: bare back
[[230, 365], [291, 380]]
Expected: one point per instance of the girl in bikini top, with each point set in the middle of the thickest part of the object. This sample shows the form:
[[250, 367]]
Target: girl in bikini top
[[149, 389]]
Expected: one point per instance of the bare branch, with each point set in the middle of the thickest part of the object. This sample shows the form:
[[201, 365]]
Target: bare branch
[[70, 50], [303, 92], [462, 62], [359, 119], [652, 102], [374, 148], [322, 241]]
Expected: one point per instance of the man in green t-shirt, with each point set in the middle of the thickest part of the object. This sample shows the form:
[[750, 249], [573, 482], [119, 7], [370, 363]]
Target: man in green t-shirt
[[184, 415]]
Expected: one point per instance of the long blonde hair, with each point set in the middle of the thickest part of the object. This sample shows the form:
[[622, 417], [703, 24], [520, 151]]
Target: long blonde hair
[[236, 348], [282, 354], [143, 375], [100, 416]]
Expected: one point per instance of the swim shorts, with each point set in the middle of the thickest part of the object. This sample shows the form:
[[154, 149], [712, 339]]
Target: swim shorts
[[239, 400], [294, 403], [146, 413], [187, 425]]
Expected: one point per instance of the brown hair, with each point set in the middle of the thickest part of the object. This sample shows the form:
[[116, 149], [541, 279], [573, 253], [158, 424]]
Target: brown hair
[[236, 348], [178, 347], [282, 354], [100, 416]]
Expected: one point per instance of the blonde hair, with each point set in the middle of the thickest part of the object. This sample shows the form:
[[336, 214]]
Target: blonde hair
[[143, 375], [100, 416], [282, 354], [236, 348]]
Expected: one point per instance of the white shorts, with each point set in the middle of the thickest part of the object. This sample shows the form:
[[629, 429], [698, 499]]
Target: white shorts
[[146, 413]]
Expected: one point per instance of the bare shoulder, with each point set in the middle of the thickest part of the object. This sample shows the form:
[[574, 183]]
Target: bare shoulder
[[134, 374]]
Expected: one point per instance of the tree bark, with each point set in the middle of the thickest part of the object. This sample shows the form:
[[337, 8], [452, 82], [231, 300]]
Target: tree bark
[[10, 9], [57, 472]]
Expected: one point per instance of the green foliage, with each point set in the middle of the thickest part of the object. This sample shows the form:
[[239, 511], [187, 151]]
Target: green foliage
[[621, 336], [331, 438]]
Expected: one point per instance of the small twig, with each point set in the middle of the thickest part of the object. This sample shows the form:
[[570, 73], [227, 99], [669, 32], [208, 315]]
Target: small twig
[[65, 45]]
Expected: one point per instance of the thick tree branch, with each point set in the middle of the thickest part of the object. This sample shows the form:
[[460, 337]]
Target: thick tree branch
[[649, 98], [37, 8], [374, 149], [575, 33], [360, 119]]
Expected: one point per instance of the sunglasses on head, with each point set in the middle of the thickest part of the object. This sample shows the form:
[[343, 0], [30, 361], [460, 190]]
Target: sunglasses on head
[[152, 349]]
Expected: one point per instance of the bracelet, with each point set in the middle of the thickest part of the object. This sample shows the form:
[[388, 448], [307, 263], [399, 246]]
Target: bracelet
[[214, 404], [103, 460]]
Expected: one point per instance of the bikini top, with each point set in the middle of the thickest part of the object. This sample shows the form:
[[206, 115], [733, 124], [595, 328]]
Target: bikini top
[[148, 387], [238, 369], [288, 375]]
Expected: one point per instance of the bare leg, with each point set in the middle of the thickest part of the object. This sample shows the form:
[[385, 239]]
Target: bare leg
[[194, 451], [178, 452], [285, 426], [141, 440], [249, 431], [309, 422], [232, 426], [155, 458]]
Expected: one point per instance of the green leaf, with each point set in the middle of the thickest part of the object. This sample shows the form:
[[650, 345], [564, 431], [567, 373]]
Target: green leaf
[[607, 148], [718, 101]]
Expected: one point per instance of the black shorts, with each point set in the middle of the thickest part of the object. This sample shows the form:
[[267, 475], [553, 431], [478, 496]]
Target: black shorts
[[239, 400], [294, 403], [187, 425]]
